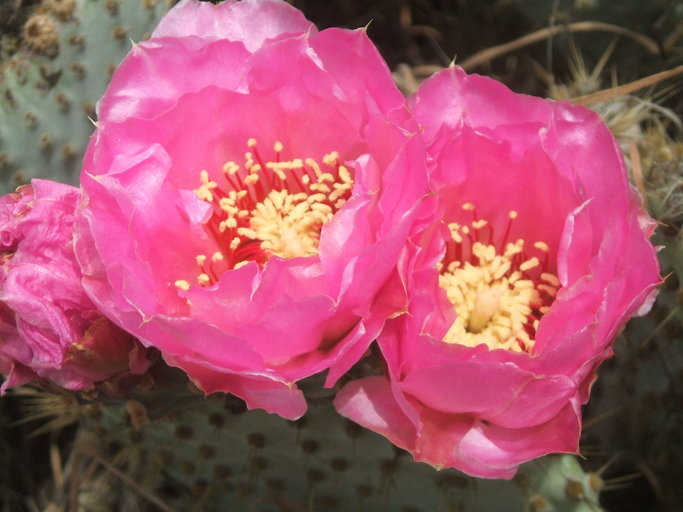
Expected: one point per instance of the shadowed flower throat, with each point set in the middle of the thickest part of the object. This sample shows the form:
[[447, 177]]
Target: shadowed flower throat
[[499, 290], [268, 208]]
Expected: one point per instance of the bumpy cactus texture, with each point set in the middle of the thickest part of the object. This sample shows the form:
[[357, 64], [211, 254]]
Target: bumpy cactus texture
[[50, 84], [213, 454]]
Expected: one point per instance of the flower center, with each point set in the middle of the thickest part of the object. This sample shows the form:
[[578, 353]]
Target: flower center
[[268, 208], [499, 291]]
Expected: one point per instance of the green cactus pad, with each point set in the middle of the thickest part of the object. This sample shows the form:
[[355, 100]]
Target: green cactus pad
[[49, 86]]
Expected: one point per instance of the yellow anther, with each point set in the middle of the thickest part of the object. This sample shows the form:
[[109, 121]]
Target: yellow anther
[[277, 147], [468, 207], [512, 214], [314, 165], [230, 168], [529, 264], [234, 243], [251, 142], [331, 158], [320, 187], [246, 232], [217, 256], [203, 279], [453, 265], [201, 259], [345, 175], [551, 279], [182, 284], [335, 194], [479, 224], [550, 290], [320, 207], [314, 198], [204, 193], [541, 246], [251, 179]]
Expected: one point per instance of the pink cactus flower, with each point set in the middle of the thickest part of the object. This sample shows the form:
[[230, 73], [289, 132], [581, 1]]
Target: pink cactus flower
[[49, 329], [530, 258], [249, 187]]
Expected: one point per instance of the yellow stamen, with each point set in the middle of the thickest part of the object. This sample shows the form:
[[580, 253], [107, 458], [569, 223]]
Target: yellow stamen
[[282, 205], [496, 302], [251, 179], [550, 279], [529, 264], [182, 284]]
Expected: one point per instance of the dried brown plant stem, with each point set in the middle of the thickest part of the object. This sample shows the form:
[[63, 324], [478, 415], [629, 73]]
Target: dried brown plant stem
[[582, 26], [148, 495], [637, 170], [608, 94]]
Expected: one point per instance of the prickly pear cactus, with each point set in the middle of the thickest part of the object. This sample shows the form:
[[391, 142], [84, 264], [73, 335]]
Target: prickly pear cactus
[[637, 400], [175, 448], [52, 77]]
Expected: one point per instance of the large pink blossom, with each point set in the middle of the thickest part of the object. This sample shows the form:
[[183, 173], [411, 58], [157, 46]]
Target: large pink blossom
[[527, 261], [49, 329], [249, 187]]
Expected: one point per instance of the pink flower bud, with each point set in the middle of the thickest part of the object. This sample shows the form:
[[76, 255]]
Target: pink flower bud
[[49, 329]]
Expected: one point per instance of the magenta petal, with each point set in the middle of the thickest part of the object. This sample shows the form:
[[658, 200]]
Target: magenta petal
[[504, 449], [130, 94], [508, 396], [253, 22], [258, 391], [370, 403]]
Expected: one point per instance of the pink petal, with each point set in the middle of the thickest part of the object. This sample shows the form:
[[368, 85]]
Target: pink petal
[[370, 403], [253, 22]]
